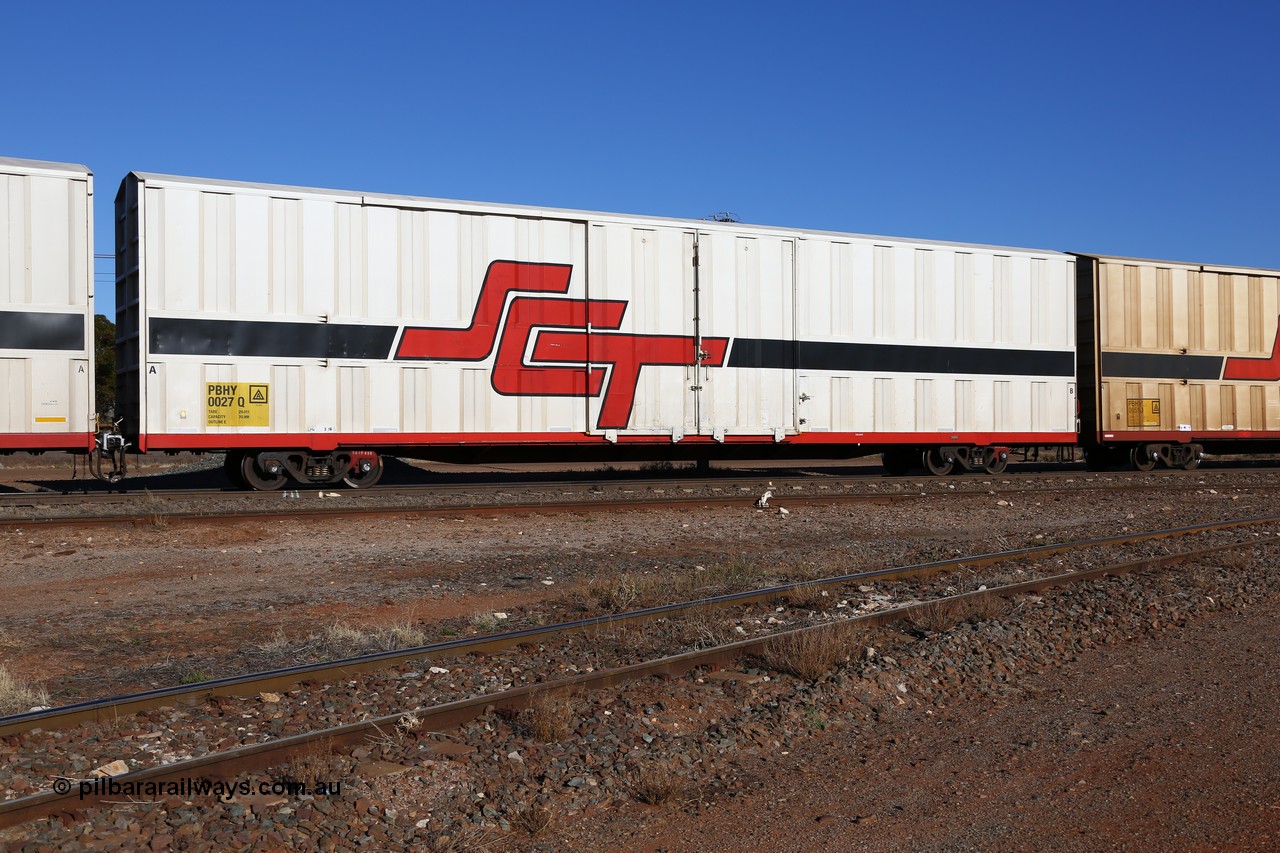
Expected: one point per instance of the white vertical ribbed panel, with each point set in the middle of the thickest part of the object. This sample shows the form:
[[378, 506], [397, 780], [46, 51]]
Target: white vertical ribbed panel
[[651, 270], [935, 295], [923, 395], [271, 254], [353, 399], [252, 260], [747, 291], [966, 414], [926, 295], [966, 298], [885, 290], [286, 398], [15, 385]]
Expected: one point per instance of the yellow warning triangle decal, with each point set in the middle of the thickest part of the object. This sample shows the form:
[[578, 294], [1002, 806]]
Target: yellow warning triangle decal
[[258, 396]]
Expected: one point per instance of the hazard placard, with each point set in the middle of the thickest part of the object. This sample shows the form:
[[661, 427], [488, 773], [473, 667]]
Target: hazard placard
[[238, 404]]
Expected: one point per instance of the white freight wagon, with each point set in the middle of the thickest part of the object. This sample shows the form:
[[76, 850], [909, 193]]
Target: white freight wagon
[[308, 331], [46, 306]]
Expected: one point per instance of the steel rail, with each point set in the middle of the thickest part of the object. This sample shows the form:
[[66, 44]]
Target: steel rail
[[258, 757], [640, 481], [252, 683], [138, 489], [167, 516]]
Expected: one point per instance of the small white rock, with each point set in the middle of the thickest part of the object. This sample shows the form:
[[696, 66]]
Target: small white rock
[[115, 768]]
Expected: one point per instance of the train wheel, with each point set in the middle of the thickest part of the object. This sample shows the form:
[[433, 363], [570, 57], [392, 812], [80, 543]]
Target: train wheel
[[936, 464], [997, 463], [1193, 461], [1142, 458], [256, 477], [358, 479]]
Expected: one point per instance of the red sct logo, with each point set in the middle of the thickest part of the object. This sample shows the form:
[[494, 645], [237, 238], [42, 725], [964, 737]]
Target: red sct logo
[[562, 347]]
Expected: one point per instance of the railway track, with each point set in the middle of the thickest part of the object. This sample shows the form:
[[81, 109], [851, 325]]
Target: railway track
[[445, 710], [214, 505]]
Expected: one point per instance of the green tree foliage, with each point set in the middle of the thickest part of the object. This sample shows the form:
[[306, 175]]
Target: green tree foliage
[[104, 363]]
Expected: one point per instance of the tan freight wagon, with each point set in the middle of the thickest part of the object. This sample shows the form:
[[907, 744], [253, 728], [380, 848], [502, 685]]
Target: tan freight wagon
[[1177, 359]]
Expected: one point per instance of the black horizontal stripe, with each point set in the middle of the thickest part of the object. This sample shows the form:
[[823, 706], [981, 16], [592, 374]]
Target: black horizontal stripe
[[1156, 366], [41, 330], [898, 358], [269, 339]]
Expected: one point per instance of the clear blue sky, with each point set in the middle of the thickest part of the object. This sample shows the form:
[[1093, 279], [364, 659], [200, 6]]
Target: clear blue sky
[[1145, 129]]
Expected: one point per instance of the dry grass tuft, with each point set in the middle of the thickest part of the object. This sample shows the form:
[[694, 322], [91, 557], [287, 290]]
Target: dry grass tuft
[[987, 607], [703, 628], [485, 622], [809, 597], [632, 637], [945, 614], [732, 574], [341, 640], [18, 696], [278, 643], [314, 765], [813, 653], [618, 594], [534, 819], [937, 616], [654, 784], [547, 718]]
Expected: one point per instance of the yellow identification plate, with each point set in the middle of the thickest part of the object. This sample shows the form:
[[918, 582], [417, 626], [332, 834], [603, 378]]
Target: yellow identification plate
[[1143, 413], [237, 404]]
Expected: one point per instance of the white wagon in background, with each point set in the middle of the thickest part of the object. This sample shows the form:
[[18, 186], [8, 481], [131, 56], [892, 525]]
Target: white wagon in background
[[46, 307]]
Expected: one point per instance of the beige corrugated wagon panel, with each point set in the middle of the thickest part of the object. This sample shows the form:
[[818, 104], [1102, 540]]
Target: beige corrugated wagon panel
[[1205, 320]]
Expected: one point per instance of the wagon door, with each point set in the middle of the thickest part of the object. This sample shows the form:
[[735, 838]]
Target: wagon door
[[745, 298], [642, 286]]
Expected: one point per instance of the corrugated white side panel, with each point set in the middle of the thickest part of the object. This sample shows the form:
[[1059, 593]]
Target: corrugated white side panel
[[215, 255], [15, 384], [46, 267], [651, 269], [747, 289], [929, 296]]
